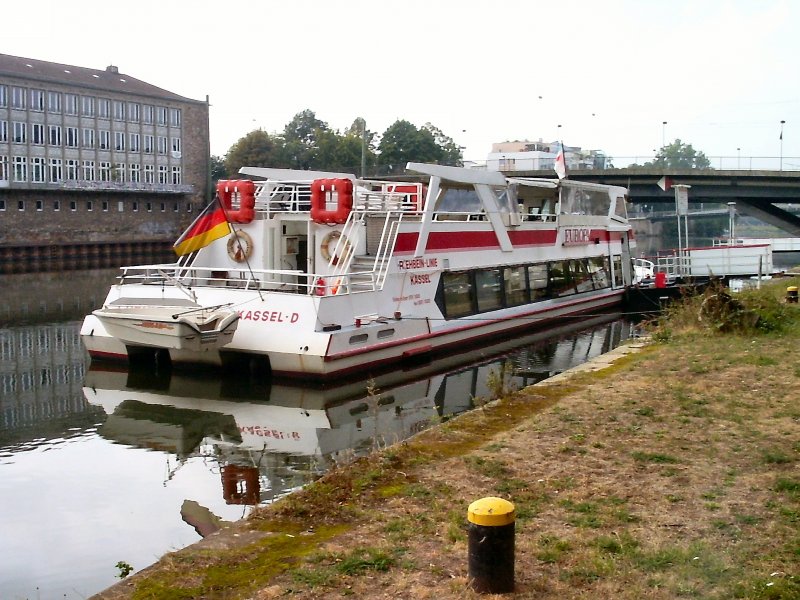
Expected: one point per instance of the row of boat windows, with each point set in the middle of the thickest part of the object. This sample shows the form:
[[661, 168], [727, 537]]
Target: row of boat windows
[[464, 293], [20, 98], [103, 205]]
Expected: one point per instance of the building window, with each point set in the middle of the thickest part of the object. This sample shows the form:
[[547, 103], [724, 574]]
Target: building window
[[105, 205], [163, 207], [135, 206], [71, 169], [3, 168], [54, 102], [175, 207], [119, 172], [119, 110], [119, 140], [39, 206], [89, 205], [163, 174], [147, 114], [88, 138], [161, 115], [105, 139], [56, 205], [148, 144], [149, 206], [54, 135], [37, 100], [88, 171], [149, 174], [133, 140], [103, 108], [176, 175], [3, 131], [2, 205], [120, 206], [175, 117], [188, 207], [133, 112], [20, 133], [162, 145], [18, 98], [72, 137], [37, 169], [20, 168], [37, 134], [176, 144], [70, 104], [73, 205], [20, 204], [136, 173], [104, 172], [56, 172], [3, 96], [87, 106]]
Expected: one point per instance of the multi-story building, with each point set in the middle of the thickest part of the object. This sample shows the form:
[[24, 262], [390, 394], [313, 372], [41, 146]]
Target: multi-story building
[[540, 156], [94, 162]]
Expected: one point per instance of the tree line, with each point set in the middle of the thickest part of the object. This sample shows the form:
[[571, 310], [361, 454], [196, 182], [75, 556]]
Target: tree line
[[307, 143]]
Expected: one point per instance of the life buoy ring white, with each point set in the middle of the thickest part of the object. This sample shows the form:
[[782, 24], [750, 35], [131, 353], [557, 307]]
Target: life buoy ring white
[[247, 199], [240, 246], [328, 245], [321, 190]]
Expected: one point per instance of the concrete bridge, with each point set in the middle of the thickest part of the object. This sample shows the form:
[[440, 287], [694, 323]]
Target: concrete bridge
[[756, 193]]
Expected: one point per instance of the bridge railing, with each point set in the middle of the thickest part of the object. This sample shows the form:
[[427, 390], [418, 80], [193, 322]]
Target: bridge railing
[[720, 163]]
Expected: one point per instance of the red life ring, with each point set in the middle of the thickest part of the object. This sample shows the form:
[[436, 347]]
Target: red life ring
[[321, 190], [247, 199]]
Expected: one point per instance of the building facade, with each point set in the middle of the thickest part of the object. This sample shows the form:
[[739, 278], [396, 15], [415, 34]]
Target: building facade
[[540, 156], [93, 160]]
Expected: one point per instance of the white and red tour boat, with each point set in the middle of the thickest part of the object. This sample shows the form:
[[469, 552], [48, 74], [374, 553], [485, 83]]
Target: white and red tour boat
[[332, 275]]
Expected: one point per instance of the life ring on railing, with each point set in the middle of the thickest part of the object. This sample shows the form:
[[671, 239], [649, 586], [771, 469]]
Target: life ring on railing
[[328, 245], [246, 190], [321, 191]]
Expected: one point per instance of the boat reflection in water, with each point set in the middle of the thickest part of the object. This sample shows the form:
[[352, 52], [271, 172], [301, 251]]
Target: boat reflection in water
[[267, 439]]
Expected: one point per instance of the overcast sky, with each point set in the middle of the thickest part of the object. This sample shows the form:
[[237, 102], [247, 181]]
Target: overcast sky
[[722, 74]]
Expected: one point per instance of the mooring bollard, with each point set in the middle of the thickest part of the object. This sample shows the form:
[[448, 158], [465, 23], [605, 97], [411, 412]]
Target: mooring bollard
[[491, 545], [791, 294]]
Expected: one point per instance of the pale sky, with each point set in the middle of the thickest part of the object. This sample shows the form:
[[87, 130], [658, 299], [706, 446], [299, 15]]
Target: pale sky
[[722, 74]]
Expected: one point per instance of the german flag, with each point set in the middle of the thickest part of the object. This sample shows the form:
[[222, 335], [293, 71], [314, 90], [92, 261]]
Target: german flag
[[210, 225]]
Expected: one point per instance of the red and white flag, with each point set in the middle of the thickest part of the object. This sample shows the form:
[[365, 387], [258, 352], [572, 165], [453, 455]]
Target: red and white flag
[[561, 164]]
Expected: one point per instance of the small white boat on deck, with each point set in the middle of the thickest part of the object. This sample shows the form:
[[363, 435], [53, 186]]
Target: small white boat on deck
[[332, 275], [170, 324]]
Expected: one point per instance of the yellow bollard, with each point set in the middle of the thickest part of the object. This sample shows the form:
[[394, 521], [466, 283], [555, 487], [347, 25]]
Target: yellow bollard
[[791, 294], [491, 545]]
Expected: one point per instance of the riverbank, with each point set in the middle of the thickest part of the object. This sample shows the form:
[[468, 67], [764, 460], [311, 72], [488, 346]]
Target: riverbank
[[670, 471]]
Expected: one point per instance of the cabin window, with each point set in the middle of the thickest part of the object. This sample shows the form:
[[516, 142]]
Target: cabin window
[[601, 272], [561, 281], [581, 275], [515, 288], [458, 294], [359, 338], [489, 290], [620, 208], [385, 333], [616, 262], [538, 281]]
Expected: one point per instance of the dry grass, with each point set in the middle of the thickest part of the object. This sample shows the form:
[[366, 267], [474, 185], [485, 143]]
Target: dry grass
[[672, 474]]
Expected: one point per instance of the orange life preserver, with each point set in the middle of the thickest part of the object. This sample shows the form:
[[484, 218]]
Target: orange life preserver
[[321, 190], [247, 199]]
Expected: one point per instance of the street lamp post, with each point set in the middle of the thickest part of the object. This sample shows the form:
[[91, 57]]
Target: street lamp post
[[782, 123], [738, 158], [663, 133]]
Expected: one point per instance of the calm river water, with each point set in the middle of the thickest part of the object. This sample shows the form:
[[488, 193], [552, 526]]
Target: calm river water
[[99, 465]]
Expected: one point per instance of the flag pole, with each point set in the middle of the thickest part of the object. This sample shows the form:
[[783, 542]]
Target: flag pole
[[238, 242]]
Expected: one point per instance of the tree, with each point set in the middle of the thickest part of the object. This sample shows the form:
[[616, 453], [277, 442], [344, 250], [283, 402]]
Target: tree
[[256, 149], [451, 152], [678, 155], [402, 142], [218, 170], [301, 138]]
